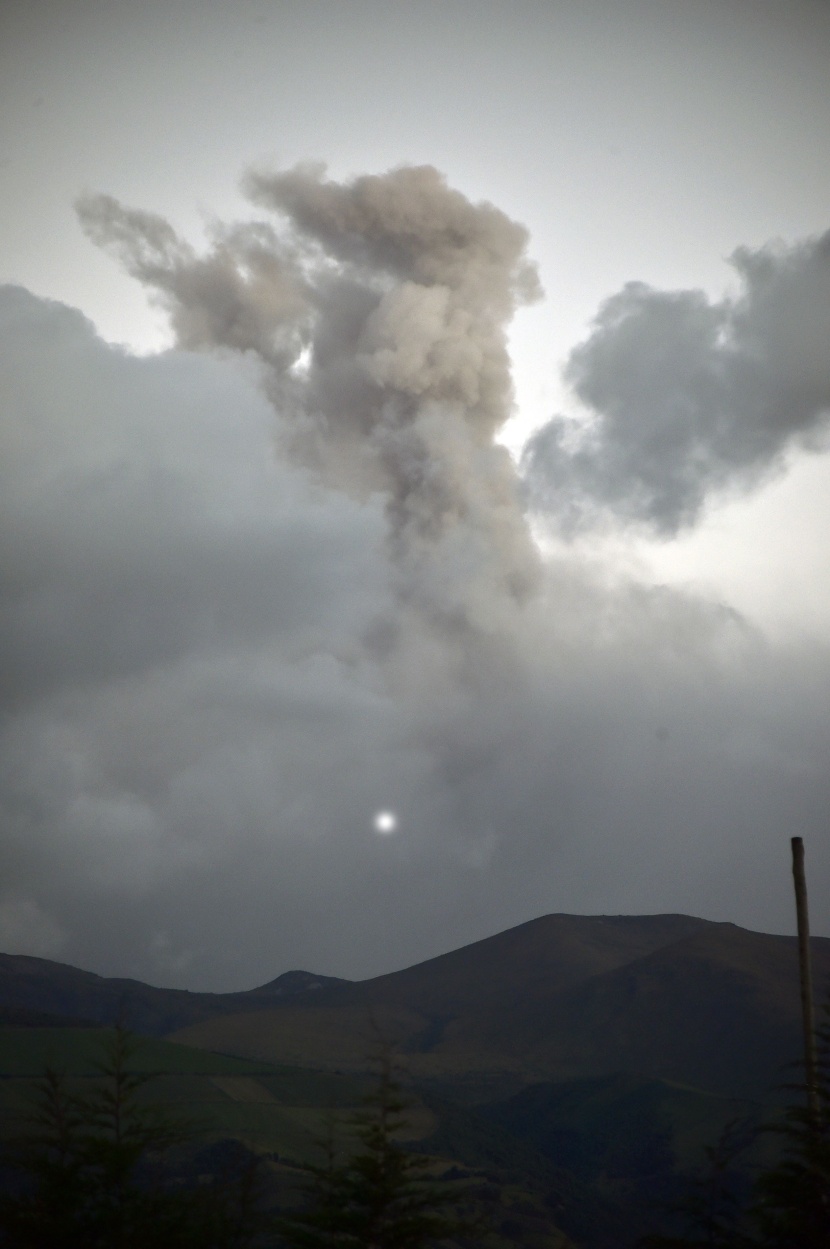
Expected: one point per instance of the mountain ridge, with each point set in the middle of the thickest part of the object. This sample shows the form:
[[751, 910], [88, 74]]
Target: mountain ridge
[[706, 1004], [666, 996], [29, 983]]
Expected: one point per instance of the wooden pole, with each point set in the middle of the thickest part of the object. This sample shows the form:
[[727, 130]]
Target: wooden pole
[[807, 1014]]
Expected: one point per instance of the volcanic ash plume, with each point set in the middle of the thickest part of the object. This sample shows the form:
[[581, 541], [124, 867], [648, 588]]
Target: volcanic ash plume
[[377, 308]]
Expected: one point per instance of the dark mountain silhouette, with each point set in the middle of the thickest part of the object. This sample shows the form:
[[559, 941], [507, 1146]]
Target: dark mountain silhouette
[[562, 997], [39, 992], [583, 1062]]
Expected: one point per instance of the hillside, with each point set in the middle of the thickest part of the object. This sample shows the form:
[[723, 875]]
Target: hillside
[[237, 1113], [593, 1152], [562, 997], [573, 1067], [37, 991]]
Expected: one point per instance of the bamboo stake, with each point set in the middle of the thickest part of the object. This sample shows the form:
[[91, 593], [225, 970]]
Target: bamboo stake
[[807, 1013]]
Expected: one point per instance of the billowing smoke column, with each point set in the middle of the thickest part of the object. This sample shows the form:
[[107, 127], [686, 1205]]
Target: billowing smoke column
[[215, 679], [378, 309]]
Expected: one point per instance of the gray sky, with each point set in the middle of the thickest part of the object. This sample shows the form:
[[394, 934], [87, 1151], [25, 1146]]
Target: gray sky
[[268, 568]]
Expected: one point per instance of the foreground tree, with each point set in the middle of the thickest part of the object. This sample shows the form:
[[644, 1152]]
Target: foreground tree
[[792, 1208], [92, 1175], [712, 1210], [379, 1198], [50, 1206], [790, 1205]]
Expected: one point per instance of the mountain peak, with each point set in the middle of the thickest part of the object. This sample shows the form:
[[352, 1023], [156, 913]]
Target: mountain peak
[[293, 982]]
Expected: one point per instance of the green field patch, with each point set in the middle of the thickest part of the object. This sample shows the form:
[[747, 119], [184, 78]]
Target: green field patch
[[273, 1109], [78, 1051]]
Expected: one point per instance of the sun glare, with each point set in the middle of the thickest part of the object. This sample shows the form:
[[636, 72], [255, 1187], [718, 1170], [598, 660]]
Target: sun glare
[[385, 822]]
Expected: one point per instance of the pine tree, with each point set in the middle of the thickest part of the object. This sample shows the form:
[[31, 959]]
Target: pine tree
[[92, 1173], [50, 1208], [123, 1135], [379, 1198], [711, 1209], [792, 1208], [319, 1226]]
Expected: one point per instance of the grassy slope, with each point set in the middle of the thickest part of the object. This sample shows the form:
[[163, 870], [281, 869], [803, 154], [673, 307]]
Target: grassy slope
[[268, 1107]]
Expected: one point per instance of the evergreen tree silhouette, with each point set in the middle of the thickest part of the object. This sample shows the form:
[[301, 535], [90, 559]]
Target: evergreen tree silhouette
[[792, 1207], [92, 1172], [379, 1198]]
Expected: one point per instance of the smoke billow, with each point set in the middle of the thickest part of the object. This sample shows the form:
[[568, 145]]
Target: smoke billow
[[378, 309], [246, 608], [691, 398]]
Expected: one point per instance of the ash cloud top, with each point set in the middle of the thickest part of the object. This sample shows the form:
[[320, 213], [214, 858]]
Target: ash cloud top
[[399, 289], [275, 580], [688, 398]]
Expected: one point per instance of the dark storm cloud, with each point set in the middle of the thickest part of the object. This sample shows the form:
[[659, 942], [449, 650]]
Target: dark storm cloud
[[690, 398], [251, 598]]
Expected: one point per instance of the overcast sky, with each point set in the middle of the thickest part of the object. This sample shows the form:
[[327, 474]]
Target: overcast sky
[[417, 409]]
